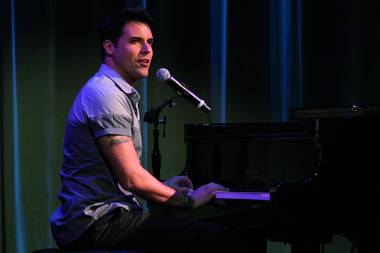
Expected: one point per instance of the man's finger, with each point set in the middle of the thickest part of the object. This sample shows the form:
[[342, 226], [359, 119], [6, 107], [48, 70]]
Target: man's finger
[[184, 189]]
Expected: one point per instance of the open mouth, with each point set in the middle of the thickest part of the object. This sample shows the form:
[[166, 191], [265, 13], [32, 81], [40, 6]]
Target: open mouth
[[144, 62]]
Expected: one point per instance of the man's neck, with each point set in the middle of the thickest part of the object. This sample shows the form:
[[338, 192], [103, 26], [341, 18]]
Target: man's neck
[[112, 65]]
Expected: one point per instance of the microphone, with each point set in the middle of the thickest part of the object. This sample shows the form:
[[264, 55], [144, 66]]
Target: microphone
[[163, 75]]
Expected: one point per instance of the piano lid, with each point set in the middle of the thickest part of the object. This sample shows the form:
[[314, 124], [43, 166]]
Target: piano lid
[[254, 130], [342, 112]]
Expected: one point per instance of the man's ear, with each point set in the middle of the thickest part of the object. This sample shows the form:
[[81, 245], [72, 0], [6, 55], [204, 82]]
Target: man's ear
[[108, 47]]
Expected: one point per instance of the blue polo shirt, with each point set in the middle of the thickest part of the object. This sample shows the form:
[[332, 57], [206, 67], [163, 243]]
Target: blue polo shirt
[[106, 105]]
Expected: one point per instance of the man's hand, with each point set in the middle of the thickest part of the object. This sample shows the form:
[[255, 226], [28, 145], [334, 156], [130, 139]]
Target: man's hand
[[180, 183], [205, 193]]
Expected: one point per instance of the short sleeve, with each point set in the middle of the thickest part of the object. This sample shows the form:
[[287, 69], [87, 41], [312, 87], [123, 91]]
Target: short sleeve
[[108, 111]]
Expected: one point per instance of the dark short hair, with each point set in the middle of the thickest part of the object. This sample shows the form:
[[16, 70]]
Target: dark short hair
[[111, 25]]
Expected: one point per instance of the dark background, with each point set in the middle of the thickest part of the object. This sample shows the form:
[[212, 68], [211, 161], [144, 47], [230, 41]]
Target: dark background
[[280, 55]]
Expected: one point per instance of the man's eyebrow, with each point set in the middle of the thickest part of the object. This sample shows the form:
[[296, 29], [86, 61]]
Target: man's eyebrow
[[139, 38], [135, 38]]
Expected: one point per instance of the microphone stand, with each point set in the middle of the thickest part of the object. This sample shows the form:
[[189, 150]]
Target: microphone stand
[[153, 116]]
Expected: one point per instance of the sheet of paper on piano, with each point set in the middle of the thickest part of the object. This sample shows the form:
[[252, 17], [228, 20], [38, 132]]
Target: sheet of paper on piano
[[261, 196]]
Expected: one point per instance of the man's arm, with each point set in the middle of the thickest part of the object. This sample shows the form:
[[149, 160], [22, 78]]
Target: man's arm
[[121, 155]]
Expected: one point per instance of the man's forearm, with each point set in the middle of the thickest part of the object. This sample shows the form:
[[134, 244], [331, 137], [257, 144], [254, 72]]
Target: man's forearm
[[120, 153]]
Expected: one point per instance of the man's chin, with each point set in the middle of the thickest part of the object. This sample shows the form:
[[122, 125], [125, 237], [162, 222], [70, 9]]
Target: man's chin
[[144, 73], [140, 73]]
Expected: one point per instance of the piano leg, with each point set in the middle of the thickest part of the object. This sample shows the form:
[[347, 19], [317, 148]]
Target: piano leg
[[306, 246], [365, 238], [247, 240], [369, 244]]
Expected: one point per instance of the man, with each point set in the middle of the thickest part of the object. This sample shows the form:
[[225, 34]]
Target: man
[[101, 172]]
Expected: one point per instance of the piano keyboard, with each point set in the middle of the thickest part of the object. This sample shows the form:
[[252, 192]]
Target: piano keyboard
[[260, 196]]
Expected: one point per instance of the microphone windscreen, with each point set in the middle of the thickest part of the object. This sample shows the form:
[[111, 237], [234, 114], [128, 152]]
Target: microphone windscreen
[[163, 74]]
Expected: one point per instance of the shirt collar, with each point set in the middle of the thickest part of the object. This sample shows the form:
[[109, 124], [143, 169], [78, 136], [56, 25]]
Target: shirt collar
[[114, 76]]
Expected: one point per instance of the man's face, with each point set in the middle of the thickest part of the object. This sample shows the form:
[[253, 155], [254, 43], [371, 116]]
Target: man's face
[[133, 52]]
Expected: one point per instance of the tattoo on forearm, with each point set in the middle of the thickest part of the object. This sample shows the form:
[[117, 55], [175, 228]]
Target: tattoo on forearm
[[115, 140]]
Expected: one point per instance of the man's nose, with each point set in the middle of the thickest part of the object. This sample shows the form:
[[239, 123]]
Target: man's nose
[[147, 48]]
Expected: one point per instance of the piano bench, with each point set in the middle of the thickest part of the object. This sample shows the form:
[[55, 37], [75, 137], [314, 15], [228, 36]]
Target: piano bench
[[54, 250]]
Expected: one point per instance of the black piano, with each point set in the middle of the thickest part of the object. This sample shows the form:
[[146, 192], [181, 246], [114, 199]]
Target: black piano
[[319, 169]]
